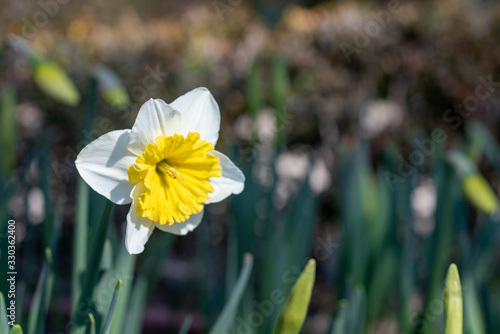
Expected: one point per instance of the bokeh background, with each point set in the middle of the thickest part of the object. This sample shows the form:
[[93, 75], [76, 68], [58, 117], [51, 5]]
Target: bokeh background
[[367, 131]]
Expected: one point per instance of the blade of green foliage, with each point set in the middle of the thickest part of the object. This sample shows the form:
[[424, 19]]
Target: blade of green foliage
[[294, 312], [186, 325], [490, 146], [381, 282], [340, 321], [493, 309], [354, 248], [351, 315], [441, 241], [80, 240], [138, 299], [4, 326], [36, 321], [228, 314], [45, 184], [107, 256], [8, 130], [148, 275], [107, 282], [378, 219], [287, 248], [82, 222], [16, 330], [280, 87], [125, 270], [92, 324], [453, 302], [96, 249], [107, 325], [473, 315], [49, 286], [254, 91], [477, 137], [486, 241], [303, 215]]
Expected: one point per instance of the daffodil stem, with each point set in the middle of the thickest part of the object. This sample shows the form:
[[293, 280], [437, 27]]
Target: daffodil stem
[[80, 240], [90, 106]]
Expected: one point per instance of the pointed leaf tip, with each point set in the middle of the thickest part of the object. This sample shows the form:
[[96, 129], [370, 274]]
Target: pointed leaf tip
[[453, 302], [92, 324], [294, 313], [16, 330]]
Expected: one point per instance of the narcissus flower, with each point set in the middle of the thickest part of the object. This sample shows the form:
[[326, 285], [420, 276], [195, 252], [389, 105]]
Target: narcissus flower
[[166, 166]]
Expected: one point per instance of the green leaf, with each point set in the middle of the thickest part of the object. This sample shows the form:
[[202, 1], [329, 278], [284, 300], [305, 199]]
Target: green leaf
[[80, 240], [148, 276], [474, 322], [8, 130], [227, 317], [4, 326], [294, 312], [340, 321], [107, 325], [453, 302], [479, 193], [99, 237], [107, 256], [36, 323], [92, 324], [16, 330], [441, 242], [381, 282], [280, 86], [124, 268], [138, 299], [49, 285]]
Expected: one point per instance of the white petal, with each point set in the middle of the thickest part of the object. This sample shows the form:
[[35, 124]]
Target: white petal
[[155, 118], [232, 180], [200, 113], [182, 228], [139, 229], [103, 165]]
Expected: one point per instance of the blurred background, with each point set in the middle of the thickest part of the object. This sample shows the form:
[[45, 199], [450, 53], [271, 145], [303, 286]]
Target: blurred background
[[367, 131]]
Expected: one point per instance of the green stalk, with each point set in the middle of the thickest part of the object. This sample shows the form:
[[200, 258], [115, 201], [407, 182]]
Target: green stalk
[[80, 240]]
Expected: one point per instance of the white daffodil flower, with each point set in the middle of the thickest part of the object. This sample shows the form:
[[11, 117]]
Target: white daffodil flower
[[166, 166]]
